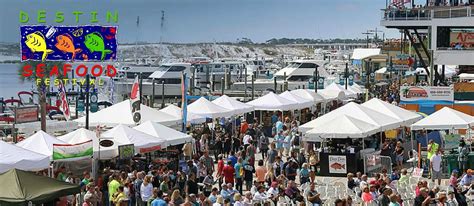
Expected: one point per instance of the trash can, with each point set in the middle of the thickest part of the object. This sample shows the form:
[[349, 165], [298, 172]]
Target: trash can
[[470, 160], [452, 161]]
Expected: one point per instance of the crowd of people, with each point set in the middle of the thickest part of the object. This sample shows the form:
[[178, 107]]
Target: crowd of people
[[239, 165]]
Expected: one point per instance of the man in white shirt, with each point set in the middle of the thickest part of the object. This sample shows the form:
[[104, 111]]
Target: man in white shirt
[[273, 191], [435, 165], [260, 196], [247, 139]]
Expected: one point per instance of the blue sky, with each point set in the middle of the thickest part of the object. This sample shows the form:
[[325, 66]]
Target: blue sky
[[190, 21]]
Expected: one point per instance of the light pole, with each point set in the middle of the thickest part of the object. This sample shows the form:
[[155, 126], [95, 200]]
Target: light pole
[[162, 94]]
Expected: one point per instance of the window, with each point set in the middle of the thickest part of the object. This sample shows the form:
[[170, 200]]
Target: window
[[308, 65], [299, 78], [177, 68]]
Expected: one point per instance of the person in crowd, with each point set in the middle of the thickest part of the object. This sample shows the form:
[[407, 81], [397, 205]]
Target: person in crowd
[[158, 201], [119, 198], [260, 172], [435, 166], [467, 179], [176, 198], [463, 151], [214, 195], [312, 195], [228, 172], [423, 198], [263, 144]]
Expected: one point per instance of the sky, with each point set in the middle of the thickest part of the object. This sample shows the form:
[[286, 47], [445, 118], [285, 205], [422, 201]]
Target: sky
[[193, 21]]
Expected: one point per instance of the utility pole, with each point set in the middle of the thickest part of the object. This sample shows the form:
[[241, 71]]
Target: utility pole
[[346, 75], [367, 41], [162, 94], [253, 88], [222, 85], [245, 84], [87, 100], [152, 100]]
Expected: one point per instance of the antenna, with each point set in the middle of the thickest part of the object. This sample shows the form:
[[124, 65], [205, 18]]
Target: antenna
[[162, 25]]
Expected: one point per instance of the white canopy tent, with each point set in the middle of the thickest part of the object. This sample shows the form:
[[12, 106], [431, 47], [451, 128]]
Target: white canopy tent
[[332, 94], [229, 103], [406, 117], [121, 113], [273, 102], [12, 156], [170, 136], [302, 102], [338, 87], [309, 94], [176, 112], [79, 136], [445, 118], [342, 126], [41, 143], [357, 89], [206, 108], [124, 135], [383, 121]]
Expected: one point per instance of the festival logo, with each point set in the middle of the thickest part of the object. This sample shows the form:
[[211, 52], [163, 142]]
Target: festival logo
[[337, 164], [68, 43]]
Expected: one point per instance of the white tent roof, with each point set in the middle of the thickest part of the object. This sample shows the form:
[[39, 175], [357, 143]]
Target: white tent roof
[[383, 121], [309, 94], [406, 117], [332, 94], [359, 54], [338, 87], [356, 89], [233, 105], [342, 126], [445, 118], [382, 70], [170, 136], [273, 102], [40, 142], [124, 135], [121, 113], [176, 111], [302, 102], [206, 108], [12, 156], [78, 136]]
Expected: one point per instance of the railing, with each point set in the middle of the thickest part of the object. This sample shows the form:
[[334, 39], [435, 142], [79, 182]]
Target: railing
[[426, 13]]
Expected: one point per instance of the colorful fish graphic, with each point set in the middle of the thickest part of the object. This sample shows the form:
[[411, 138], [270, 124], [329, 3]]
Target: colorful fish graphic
[[37, 43], [65, 44], [95, 43], [337, 166]]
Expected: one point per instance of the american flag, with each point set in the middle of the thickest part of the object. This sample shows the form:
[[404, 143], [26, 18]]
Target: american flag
[[400, 3], [64, 107]]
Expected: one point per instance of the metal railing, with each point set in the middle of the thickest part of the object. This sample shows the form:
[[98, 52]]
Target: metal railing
[[419, 14]]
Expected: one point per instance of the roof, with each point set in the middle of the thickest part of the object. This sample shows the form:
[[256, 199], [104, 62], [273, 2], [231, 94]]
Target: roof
[[353, 128], [22, 187], [12, 156], [170, 136], [445, 118], [360, 54], [407, 117]]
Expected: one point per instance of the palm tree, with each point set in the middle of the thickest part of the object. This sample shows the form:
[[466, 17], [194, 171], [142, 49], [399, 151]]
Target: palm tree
[[41, 88]]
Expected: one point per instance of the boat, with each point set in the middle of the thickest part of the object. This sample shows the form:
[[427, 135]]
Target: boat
[[167, 74], [297, 74]]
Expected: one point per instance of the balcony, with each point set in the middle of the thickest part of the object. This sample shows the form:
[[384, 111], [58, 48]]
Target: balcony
[[424, 14]]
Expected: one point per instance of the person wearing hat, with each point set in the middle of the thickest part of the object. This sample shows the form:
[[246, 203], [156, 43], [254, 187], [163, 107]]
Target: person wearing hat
[[467, 178]]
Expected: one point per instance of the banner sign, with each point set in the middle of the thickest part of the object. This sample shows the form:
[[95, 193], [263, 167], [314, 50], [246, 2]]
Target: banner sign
[[68, 43], [415, 93], [351, 79], [69, 152], [126, 151], [465, 39], [94, 102], [320, 83], [451, 141], [342, 80], [26, 114], [337, 164], [135, 101]]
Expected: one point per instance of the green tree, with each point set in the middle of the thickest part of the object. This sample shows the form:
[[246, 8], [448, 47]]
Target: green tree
[[41, 88]]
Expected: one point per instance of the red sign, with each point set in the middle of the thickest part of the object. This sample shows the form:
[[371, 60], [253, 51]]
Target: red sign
[[150, 149], [26, 114]]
